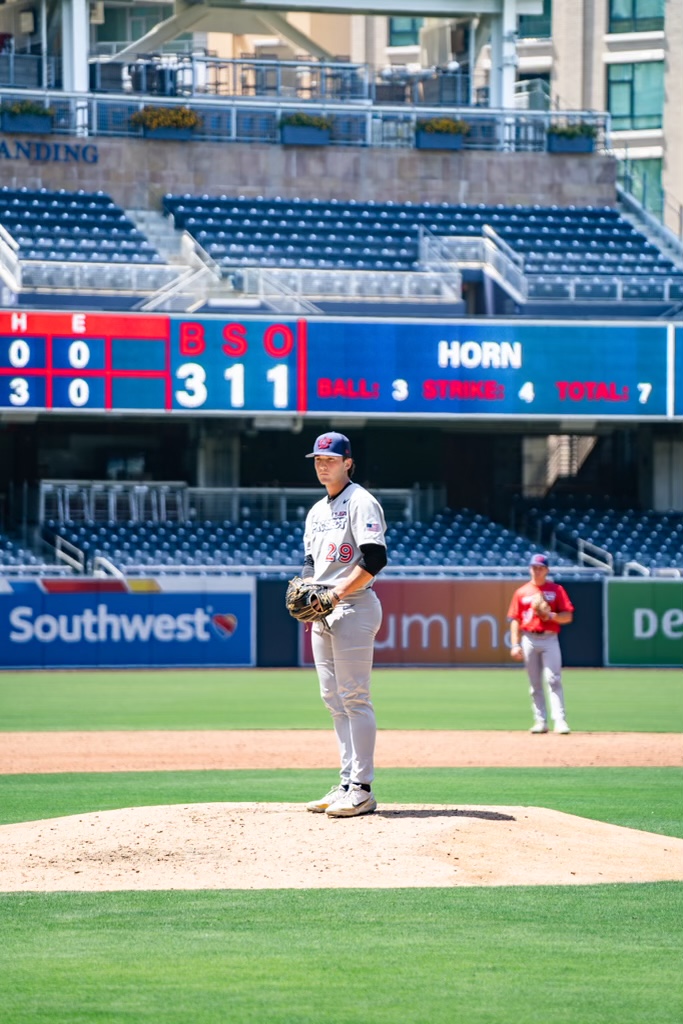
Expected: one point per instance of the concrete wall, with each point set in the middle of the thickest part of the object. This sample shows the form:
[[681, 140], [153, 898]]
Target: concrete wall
[[138, 172]]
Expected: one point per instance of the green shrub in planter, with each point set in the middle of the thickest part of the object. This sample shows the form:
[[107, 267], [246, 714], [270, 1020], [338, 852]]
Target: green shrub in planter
[[302, 129], [300, 119], [166, 122], [579, 129], [440, 133], [26, 116], [577, 137]]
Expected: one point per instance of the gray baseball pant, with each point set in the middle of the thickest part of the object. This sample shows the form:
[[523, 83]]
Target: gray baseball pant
[[343, 653], [542, 657]]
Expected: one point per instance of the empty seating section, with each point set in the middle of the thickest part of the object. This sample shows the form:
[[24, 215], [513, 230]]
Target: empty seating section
[[84, 227], [654, 540], [191, 543], [593, 244], [450, 540], [461, 538], [14, 557]]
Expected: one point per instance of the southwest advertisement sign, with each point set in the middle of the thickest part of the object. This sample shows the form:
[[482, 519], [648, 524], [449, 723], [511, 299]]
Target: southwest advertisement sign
[[440, 622], [644, 622], [90, 623]]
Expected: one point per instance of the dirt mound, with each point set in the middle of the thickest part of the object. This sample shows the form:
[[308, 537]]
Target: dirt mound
[[281, 846]]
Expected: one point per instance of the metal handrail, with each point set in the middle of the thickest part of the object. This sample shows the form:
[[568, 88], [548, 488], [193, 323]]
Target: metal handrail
[[8, 239], [590, 554], [635, 568], [305, 283], [483, 252], [10, 265], [190, 276], [569, 285], [501, 244], [56, 275], [659, 229], [390, 572], [102, 566], [67, 552]]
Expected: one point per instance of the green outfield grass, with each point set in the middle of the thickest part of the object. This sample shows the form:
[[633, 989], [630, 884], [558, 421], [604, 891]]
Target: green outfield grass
[[643, 798], [630, 700], [555, 955]]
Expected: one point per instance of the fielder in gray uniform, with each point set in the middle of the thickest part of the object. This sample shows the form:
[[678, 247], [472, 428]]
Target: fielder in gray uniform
[[537, 611], [345, 548]]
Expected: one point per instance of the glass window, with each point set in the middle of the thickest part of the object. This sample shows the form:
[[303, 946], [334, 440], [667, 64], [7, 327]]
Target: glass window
[[635, 95], [404, 31], [536, 26], [125, 24], [643, 179], [636, 15]]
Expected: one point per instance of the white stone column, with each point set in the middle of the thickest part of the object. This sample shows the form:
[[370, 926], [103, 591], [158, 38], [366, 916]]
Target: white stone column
[[508, 53], [75, 45], [75, 50]]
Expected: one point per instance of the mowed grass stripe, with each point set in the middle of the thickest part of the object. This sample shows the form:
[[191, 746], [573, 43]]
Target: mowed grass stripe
[[643, 798], [593, 954], [598, 700]]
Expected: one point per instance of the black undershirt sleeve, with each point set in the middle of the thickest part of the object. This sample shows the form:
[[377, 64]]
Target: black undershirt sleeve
[[308, 569], [374, 558]]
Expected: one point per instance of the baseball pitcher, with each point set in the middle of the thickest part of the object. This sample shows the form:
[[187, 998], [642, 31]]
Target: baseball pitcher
[[344, 548]]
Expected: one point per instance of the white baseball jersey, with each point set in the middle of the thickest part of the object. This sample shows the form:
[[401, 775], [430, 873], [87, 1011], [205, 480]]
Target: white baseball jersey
[[336, 529]]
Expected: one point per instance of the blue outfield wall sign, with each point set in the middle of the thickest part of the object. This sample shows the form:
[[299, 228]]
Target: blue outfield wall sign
[[142, 622]]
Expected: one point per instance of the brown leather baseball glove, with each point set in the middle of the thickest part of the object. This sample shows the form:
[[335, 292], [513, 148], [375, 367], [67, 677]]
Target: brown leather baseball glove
[[308, 601], [540, 606]]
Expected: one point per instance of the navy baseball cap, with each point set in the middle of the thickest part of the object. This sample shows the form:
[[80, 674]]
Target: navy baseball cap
[[540, 560], [331, 444]]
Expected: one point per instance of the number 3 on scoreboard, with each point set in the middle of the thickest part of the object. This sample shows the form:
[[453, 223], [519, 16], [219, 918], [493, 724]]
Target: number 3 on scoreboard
[[195, 391], [19, 393]]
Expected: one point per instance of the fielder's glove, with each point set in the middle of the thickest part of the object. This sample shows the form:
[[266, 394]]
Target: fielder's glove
[[540, 606], [308, 602]]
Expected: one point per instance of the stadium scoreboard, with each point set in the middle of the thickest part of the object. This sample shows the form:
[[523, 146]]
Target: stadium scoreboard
[[227, 365]]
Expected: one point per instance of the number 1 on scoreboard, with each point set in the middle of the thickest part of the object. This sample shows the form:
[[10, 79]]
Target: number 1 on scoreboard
[[278, 376]]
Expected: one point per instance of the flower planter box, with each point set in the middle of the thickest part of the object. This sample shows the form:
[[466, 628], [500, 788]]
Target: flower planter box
[[304, 135], [179, 134], [563, 144], [30, 124], [438, 140]]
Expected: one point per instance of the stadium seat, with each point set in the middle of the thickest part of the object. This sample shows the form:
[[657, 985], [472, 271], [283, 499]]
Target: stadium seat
[[63, 225]]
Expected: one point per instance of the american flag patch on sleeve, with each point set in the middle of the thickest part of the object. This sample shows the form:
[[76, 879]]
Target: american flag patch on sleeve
[[372, 527]]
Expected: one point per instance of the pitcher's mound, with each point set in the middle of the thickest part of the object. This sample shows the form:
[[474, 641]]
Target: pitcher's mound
[[281, 846]]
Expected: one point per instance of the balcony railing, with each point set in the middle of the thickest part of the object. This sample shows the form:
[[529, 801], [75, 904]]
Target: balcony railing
[[355, 123]]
